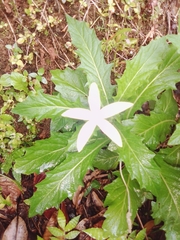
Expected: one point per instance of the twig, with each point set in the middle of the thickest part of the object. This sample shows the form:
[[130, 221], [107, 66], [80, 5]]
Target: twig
[[12, 30], [48, 53], [141, 224]]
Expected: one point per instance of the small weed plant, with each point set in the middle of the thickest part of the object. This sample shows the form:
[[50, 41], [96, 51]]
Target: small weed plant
[[64, 231], [148, 146], [14, 88]]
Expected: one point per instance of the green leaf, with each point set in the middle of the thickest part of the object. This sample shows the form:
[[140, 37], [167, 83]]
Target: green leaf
[[62, 181], [95, 233], [154, 128], [42, 106], [153, 69], [72, 223], [6, 119], [72, 234], [91, 56], [18, 81], [94, 185], [7, 165], [45, 154], [71, 84], [41, 71], [175, 138], [172, 233], [15, 79], [63, 124], [56, 231], [167, 205], [120, 200], [61, 219], [106, 160], [33, 75], [141, 235], [5, 80], [174, 39], [139, 161], [166, 104], [171, 155], [39, 238]]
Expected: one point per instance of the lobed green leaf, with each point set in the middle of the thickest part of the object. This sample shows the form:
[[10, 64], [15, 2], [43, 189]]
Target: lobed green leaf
[[139, 161], [117, 200], [45, 154], [42, 106], [71, 84], [174, 39], [153, 69], [166, 104], [62, 181], [15, 79], [91, 56], [154, 128], [171, 155], [167, 207], [175, 138], [106, 160]]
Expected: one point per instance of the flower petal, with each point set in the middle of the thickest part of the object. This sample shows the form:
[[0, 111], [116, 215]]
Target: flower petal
[[114, 108], [77, 113], [111, 132], [94, 98], [85, 134]]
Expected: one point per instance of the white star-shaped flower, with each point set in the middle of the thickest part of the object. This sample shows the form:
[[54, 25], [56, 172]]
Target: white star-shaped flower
[[96, 116]]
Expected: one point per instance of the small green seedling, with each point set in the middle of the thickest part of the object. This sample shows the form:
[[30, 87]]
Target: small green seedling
[[64, 231]]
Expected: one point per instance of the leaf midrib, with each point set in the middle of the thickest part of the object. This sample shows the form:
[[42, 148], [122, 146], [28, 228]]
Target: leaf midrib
[[130, 149], [156, 125], [95, 67], [150, 83], [57, 186], [171, 195], [130, 82]]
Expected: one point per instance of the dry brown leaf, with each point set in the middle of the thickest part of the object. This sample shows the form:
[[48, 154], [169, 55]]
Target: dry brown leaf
[[9, 188], [94, 203], [16, 230], [51, 223], [78, 196], [149, 226], [83, 224]]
